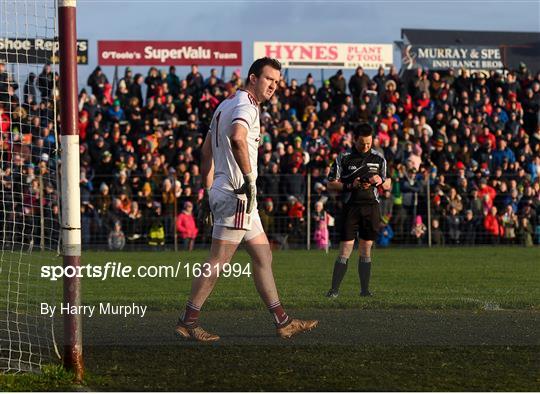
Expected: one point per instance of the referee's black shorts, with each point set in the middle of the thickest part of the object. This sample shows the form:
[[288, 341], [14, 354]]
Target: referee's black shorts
[[363, 220]]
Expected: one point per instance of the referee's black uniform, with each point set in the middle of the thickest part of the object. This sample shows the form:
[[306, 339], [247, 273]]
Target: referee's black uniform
[[361, 211]]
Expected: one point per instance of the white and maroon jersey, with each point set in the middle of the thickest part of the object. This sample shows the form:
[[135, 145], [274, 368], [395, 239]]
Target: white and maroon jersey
[[239, 108]]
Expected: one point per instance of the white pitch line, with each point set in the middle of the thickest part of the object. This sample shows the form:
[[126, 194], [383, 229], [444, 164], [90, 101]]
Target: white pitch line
[[486, 305]]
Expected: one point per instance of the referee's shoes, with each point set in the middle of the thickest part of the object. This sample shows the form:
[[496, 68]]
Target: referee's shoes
[[366, 293], [332, 293]]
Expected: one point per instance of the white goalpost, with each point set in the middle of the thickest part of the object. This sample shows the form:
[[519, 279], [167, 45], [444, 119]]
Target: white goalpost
[[32, 220]]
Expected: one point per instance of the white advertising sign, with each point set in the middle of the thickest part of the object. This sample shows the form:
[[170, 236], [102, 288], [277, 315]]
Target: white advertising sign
[[326, 55]]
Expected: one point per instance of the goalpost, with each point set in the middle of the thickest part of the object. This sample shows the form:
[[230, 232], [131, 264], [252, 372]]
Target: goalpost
[[39, 181], [71, 199]]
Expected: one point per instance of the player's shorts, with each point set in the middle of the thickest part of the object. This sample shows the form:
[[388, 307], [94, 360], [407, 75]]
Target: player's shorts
[[363, 220], [231, 221]]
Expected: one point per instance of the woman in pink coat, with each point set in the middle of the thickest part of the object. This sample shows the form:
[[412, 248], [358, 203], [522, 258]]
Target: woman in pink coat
[[320, 220], [186, 226]]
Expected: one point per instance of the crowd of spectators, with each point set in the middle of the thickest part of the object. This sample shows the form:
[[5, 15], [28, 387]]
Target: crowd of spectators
[[466, 145]]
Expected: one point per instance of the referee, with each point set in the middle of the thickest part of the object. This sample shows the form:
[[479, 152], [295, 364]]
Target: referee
[[357, 175]]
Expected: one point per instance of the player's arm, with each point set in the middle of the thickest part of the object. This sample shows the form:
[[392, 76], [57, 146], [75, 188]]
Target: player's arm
[[207, 171], [240, 152], [335, 183], [207, 162], [338, 186], [380, 179], [334, 186], [387, 184], [387, 180], [240, 147]]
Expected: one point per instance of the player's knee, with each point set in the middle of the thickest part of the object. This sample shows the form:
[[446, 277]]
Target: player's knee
[[263, 261], [364, 247], [214, 266], [346, 248]]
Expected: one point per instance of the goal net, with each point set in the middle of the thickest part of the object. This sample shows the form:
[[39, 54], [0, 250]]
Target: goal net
[[29, 203]]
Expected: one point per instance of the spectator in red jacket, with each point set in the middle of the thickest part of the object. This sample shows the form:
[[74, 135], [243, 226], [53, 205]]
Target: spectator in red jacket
[[5, 120], [186, 227], [486, 137], [493, 226], [337, 137], [383, 135], [84, 122], [296, 209], [484, 190], [389, 119], [423, 101]]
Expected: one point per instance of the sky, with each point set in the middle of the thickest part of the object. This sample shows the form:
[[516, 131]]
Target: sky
[[344, 21]]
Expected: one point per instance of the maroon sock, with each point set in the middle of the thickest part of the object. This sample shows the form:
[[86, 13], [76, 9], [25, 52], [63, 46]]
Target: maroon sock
[[281, 319], [191, 315]]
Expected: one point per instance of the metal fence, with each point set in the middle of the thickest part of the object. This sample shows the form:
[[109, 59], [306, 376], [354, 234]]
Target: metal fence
[[298, 212]]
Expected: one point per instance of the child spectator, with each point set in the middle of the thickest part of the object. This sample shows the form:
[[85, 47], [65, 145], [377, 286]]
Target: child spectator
[[437, 236], [156, 233], [321, 219], [386, 233], [419, 230], [296, 218], [509, 223], [469, 228], [453, 226], [493, 227], [525, 233], [186, 226], [117, 239]]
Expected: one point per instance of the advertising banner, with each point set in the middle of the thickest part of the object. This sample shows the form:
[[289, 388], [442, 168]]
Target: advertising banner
[[443, 57], [326, 55], [178, 53], [37, 50]]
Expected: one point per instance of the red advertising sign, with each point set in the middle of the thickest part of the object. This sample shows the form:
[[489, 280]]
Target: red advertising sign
[[178, 53]]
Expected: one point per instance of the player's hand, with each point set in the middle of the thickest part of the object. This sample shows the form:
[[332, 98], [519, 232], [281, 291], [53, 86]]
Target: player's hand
[[205, 214], [249, 188], [356, 183], [375, 180]]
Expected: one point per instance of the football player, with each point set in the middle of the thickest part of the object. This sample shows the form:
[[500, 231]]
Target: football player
[[229, 169]]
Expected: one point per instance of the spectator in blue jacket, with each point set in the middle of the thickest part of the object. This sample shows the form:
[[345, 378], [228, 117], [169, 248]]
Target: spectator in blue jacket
[[116, 113], [386, 234], [502, 154]]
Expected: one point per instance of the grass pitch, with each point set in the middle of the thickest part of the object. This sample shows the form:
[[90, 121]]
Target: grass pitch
[[449, 283], [460, 278]]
